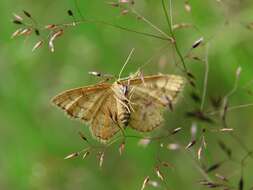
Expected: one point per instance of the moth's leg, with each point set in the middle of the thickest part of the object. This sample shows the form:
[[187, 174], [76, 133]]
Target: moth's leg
[[129, 108], [131, 93], [114, 118], [135, 75], [124, 104], [122, 131], [139, 73], [103, 80], [129, 100], [131, 90]]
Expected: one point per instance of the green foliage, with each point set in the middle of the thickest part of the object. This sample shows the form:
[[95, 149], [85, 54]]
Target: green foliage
[[35, 137]]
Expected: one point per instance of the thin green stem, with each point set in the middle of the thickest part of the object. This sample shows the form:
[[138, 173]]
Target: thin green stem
[[126, 62], [158, 52], [173, 35], [167, 18], [78, 9], [130, 30], [205, 79], [82, 21], [231, 108], [152, 25], [241, 143]]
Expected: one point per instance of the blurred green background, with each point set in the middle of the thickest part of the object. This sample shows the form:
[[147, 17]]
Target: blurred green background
[[35, 136]]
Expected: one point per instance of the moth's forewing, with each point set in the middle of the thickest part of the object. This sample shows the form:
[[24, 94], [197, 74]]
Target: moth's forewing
[[80, 102], [104, 122], [94, 105]]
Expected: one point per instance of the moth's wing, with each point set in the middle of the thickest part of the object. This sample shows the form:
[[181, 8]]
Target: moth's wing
[[94, 105], [104, 124], [147, 113], [150, 97], [80, 103]]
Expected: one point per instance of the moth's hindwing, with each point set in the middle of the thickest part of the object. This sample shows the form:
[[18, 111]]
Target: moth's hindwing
[[151, 97]]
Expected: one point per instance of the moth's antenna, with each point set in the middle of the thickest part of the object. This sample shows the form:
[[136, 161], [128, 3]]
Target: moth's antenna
[[126, 62]]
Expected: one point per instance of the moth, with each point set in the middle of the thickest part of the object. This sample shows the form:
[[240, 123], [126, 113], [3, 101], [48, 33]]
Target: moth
[[137, 102]]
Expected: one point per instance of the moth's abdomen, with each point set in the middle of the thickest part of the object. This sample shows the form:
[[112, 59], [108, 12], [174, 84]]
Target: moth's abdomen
[[123, 112], [123, 109], [124, 115]]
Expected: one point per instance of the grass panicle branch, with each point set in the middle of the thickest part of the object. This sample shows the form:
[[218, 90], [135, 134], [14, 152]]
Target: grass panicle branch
[[172, 33]]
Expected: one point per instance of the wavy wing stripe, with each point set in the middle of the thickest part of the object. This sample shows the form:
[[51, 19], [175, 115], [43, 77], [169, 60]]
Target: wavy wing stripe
[[103, 127], [80, 102], [151, 78]]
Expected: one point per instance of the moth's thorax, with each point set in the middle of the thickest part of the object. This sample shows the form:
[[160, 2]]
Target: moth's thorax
[[121, 93], [120, 90]]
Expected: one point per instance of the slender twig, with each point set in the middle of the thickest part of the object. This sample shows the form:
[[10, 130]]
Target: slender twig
[[205, 78], [191, 154], [82, 21], [241, 143], [172, 33], [154, 55], [200, 169], [230, 93], [152, 25], [78, 9], [249, 154], [126, 62], [171, 17], [231, 108]]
